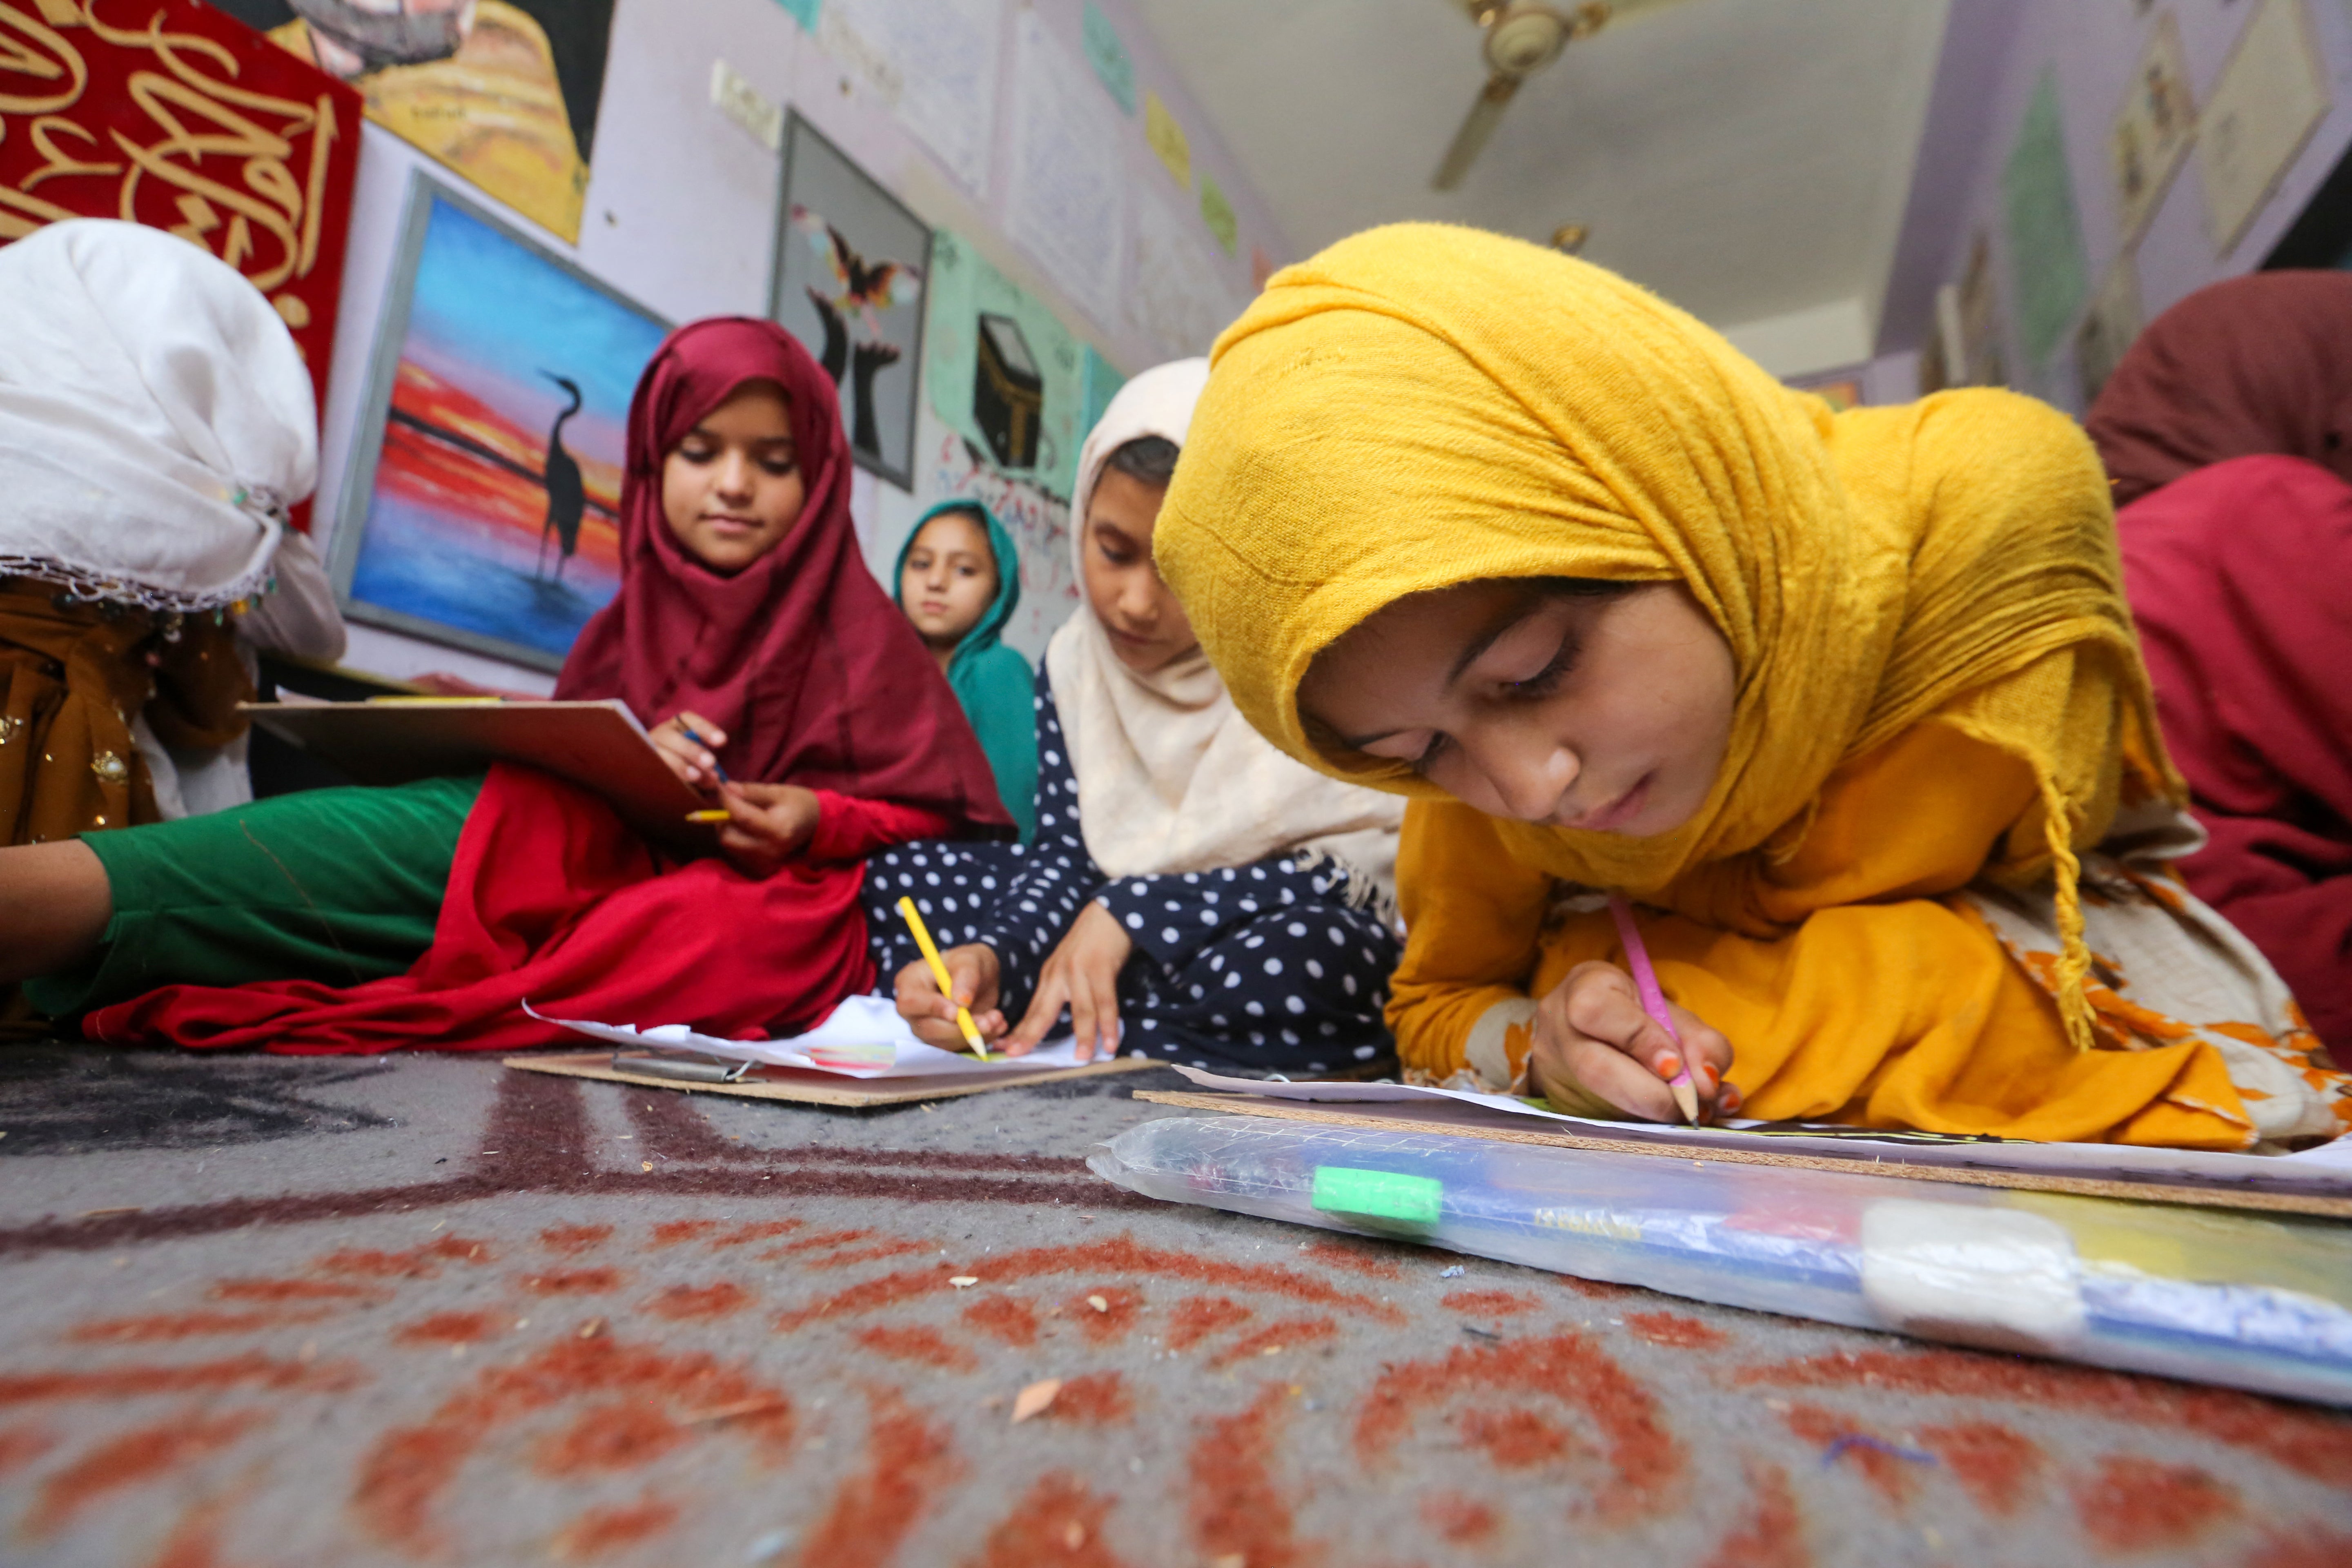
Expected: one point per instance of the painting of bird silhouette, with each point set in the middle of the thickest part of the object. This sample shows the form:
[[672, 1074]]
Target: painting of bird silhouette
[[861, 287], [567, 498], [851, 281]]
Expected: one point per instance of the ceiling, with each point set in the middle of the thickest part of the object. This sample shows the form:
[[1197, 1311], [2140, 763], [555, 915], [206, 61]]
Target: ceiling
[[1748, 159]]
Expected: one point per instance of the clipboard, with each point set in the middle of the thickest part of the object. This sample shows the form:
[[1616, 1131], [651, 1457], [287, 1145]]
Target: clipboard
[[600, 746], [1454, 1119], [749, 1081]]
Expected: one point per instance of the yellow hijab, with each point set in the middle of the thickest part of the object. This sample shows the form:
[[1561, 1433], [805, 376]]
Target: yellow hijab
[[1421, 406]]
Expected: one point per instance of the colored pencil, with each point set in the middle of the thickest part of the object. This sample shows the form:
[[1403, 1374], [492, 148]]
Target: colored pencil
[[1654, 1002], [940, 972], [716, 814], [707, 746]]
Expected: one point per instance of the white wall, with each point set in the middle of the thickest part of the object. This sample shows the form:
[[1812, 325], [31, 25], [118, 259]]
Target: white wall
[[681, 207]]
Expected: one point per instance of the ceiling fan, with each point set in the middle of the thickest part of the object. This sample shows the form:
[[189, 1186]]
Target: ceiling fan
[[1519, 38]]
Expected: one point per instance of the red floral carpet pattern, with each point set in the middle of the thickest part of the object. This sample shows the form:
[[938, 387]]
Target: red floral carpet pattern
[[265, 1313]]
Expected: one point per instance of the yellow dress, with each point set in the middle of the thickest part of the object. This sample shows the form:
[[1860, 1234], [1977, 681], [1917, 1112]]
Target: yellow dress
[[493, 112], [1893, 999], [1930, 885]]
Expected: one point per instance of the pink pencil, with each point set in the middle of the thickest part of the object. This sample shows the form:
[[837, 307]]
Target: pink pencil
[[1654, 1002]]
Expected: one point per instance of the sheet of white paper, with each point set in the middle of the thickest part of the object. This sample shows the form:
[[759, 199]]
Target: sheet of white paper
[[2328, 1166], [938, 61], [1179, 296], [868, 1022], [1065, 202]]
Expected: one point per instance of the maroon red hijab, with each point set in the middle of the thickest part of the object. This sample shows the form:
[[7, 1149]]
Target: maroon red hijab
[[2257, 364], [814, 675]]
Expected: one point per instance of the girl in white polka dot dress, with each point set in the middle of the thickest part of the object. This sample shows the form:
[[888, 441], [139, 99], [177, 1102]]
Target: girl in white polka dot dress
[[1193, 894]]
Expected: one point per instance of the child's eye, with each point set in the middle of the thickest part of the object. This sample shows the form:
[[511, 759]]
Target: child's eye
[[1430, 753], [779, 467], [1543, 682]]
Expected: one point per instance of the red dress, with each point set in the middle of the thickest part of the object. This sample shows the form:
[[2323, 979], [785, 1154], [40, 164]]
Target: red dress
[[553, 903], [815, 679], [2240, 576]]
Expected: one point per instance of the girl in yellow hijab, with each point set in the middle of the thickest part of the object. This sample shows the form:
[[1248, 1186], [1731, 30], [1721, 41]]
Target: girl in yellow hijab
[[1849, 702]]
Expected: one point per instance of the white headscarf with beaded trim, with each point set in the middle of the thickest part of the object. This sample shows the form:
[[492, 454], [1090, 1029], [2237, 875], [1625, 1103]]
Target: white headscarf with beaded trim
[[155, 418]]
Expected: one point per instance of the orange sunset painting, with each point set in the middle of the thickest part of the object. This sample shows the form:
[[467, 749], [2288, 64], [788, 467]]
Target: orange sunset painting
[[493, 509]]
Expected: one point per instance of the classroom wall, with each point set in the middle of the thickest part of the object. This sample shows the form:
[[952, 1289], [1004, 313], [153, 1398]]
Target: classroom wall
[[1995, 54], [680, 215]]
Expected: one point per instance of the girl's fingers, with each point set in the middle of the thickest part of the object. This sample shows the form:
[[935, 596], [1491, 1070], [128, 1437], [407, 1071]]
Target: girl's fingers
[[1045, 1008], [1708, 1045], [1605, 1008], [1611, 1075], [1082, 1010], [1105, 1039]]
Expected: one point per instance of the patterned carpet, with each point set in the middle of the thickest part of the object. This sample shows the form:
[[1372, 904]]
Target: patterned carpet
[[268, 1312]]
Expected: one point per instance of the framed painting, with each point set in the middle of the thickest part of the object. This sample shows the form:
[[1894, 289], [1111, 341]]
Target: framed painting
[[851, 266], [504, 93], [481, 509]]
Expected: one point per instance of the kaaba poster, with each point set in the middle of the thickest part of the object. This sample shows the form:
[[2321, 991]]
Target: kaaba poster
[[168, 113]]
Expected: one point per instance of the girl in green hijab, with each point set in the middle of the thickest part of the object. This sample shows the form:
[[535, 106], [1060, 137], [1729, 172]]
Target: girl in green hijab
[[958, 583]]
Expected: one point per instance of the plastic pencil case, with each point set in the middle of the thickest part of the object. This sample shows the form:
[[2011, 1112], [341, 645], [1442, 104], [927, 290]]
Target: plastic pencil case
[[2257, 1302]]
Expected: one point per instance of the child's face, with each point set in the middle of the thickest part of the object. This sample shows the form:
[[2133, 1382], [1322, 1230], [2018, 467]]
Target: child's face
[[1607, 714], [733, 488], [949, 578], [1146, 628]]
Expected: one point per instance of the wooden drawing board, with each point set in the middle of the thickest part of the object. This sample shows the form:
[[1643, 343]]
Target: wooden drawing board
[[824, 1087], [596, 745], [1453, 1121]]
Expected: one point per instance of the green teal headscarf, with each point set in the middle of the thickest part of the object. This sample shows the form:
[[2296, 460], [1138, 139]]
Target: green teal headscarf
[[994, 683]]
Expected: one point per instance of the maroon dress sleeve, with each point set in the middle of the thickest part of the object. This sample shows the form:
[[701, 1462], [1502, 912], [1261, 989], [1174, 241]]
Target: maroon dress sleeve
[[850, 827]]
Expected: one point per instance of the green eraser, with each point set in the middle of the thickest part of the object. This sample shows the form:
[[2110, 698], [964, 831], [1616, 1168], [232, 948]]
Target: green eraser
[[1378, 1195]]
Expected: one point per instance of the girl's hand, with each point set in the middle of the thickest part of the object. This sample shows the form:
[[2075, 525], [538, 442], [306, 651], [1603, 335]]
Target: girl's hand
[[1597, 1053], [766, 824], [690, 759], [972, 970], [1082, 976]]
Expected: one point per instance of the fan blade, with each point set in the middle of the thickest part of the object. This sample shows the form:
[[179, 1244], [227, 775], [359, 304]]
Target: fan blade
[[1476, 127]]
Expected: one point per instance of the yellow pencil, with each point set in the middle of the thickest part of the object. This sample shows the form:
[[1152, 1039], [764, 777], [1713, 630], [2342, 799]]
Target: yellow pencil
[[940, 972], [716, 814]]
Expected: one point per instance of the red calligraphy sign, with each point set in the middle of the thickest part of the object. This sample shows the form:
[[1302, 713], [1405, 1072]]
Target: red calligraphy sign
[[169, 113]]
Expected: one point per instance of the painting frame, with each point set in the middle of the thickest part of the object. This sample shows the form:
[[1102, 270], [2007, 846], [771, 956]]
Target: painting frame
[[354, 513], [505, 94], [863, 219]]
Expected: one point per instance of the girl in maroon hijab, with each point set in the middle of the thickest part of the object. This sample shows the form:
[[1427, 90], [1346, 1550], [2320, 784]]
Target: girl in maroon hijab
[[2227, 430], [750, 635]]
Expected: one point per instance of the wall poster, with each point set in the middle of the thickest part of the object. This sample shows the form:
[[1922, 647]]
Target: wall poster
[[482, 505], [187, 122], [2108, 327], [847, 281], [2270, 97], [502, 92], [2152, 130], [2047, 272]]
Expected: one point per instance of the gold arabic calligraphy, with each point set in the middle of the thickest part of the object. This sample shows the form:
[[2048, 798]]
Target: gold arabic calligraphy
[[265, 226]]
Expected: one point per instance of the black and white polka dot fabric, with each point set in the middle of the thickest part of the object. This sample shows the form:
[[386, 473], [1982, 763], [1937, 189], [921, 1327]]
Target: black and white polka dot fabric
[[1260, 968]]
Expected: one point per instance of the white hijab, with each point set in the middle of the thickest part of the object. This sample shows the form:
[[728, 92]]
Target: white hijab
[[1171, 776], [155, 418]]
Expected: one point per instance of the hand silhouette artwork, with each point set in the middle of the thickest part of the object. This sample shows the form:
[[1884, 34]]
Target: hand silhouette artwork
[[865, 361]]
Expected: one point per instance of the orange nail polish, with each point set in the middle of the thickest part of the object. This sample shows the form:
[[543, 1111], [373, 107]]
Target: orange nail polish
[[1670, 1065]]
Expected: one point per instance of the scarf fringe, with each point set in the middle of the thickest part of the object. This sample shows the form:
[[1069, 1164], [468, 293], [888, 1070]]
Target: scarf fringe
[[96, 586], [2074, 953], [1362, 889]]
